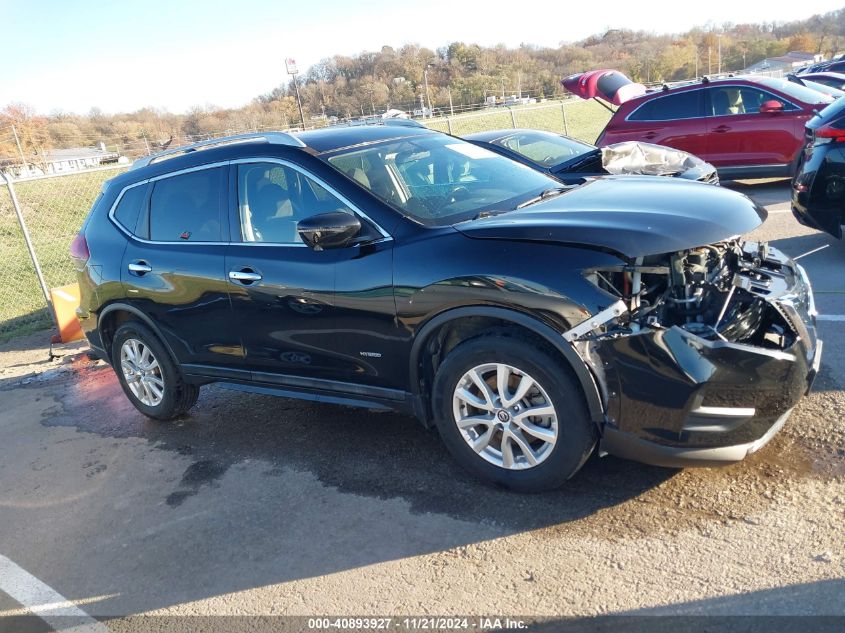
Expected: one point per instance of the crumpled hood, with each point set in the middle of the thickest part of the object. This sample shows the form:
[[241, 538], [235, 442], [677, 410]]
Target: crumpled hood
[[647, 159], [630, 215]]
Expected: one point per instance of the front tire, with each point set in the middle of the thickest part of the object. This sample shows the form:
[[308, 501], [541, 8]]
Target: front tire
[[148, 375], [512, 413]]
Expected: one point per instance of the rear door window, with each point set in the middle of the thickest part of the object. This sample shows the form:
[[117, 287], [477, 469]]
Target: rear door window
[[680, 105], [188, 207]]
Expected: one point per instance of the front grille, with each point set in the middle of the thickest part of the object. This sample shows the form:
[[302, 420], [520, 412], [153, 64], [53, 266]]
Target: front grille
[[711, 179]]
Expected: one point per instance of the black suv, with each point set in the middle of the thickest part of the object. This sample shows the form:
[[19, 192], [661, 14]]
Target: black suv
[[396, 267]]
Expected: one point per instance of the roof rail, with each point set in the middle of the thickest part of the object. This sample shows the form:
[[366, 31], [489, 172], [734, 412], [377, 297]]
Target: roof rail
[[274, 138]]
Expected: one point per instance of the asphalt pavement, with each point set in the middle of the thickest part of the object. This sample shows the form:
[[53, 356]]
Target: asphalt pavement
[[258, 506]]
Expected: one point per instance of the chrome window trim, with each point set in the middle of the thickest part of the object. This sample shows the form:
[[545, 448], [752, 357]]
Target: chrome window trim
[[705, 115], [319, 181], [385, 236]]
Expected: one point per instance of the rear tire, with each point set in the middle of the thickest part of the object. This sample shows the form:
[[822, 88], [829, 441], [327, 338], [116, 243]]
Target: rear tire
[[148, 375], [491, 431]]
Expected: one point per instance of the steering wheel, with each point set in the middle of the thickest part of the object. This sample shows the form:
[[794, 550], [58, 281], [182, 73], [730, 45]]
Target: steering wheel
[[457, 193]]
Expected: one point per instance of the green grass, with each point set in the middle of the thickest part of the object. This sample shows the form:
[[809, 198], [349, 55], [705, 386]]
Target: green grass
[[584, 119], [54, 208]]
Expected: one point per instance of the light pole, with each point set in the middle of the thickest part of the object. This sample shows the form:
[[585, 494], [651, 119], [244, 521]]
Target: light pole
[[427, 93], [719, 38], [290, 65]]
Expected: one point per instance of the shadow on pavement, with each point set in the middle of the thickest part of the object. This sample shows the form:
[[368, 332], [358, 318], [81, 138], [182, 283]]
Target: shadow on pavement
[[257, 491]]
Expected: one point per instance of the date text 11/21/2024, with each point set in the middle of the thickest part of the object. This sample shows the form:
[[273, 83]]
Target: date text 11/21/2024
[[425, 623]]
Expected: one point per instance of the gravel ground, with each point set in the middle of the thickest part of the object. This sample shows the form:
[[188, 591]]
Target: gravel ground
[[254, 505]]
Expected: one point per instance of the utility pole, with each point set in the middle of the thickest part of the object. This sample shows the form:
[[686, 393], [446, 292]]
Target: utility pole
[[290, 65], [298, 102], [719, 36], [451, 108], [18, 143], [427, 93], [709, 60]]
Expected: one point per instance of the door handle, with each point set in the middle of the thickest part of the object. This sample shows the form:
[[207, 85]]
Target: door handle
[[722, 129], [245, 276], [650, 135], [139, 267]]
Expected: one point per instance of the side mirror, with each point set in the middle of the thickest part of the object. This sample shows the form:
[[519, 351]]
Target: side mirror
[[328, 230], [771, 106]]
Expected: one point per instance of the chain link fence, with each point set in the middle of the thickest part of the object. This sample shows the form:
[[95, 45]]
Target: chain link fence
[[53, 207], [577, 118]]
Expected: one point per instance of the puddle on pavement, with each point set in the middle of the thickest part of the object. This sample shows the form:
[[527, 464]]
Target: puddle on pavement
[[386, 455]]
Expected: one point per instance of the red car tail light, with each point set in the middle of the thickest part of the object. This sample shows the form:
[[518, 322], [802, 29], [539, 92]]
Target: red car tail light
[[830, 132], [79, 248]]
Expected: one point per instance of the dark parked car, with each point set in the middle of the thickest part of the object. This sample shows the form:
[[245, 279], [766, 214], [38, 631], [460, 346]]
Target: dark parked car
[[829, 79], [818, 189], [397, 267], [748, 126], [831, 65], [571, 161], [824, 88]]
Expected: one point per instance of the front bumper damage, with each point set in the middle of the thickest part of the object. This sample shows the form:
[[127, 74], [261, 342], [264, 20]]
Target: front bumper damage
[[676, 399]]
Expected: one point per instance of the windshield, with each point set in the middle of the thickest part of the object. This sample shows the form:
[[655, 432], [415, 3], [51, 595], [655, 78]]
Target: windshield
[[438, 179], [823, 88], [796, 91], [544, 148]]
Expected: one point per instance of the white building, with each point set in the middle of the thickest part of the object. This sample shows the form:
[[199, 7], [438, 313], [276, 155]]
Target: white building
[[788, 63], [63, 161]]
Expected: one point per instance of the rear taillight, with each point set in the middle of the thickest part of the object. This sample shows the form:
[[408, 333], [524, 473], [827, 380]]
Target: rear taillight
[[831, 133], [79, 248]]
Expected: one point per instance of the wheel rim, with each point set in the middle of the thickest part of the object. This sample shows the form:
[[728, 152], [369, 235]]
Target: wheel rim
[[142, 372], [505, 416]]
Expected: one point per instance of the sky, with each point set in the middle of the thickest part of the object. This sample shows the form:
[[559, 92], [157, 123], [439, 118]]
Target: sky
[[123, 55]]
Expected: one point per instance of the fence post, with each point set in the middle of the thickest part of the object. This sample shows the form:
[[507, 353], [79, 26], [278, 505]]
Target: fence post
[[565, 127], [29, 247], [449, 125], [513, 117]]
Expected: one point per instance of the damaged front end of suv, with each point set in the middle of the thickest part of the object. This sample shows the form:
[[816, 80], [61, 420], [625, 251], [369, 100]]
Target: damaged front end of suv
[[703, 355], [699, 343]]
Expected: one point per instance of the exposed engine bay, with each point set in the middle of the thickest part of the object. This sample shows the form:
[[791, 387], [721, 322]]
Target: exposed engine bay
[[717, 292]]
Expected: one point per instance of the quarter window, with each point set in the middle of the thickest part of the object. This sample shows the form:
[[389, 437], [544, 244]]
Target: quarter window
[[273, 198], [681, 105], [187, 207], [129, 206]]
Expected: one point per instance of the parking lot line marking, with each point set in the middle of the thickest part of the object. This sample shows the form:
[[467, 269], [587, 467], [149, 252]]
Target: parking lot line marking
[[41, 600], [830, 317]]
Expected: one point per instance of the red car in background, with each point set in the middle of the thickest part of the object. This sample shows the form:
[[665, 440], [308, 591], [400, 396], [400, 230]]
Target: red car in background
[[747, 126]]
